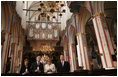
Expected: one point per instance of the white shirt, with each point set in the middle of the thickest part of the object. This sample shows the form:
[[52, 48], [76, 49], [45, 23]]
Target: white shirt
[[62, 62], [38, 66], [47, 67]]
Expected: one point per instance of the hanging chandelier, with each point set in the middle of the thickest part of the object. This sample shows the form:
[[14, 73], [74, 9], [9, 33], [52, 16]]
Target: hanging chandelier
[[47, 9]]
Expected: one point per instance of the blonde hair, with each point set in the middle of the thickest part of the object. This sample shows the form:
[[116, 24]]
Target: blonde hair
[[49, 60]]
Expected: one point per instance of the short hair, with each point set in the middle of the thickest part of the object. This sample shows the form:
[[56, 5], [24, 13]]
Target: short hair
[[38, 56], [62, 55], [26, 60]]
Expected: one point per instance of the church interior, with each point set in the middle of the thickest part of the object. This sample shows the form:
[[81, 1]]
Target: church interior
[[85, 32]]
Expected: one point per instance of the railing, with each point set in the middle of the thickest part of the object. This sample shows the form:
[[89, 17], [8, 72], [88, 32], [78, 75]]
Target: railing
[[100, 72]]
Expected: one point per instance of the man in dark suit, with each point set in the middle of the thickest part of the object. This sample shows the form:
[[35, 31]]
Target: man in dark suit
[[37, 67], [63, 66]]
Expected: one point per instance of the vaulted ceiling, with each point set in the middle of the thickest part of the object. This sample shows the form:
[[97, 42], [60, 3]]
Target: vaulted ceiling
[[32, 9]]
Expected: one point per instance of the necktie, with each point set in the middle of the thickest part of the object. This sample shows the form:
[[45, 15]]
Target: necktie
[[38, 63], [62, 63]]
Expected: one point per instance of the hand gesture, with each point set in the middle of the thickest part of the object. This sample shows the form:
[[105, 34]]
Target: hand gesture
[[49, 70], [25, 73], [38, 71]]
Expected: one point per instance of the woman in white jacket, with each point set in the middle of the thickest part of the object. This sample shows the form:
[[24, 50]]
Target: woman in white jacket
[[49, 67]]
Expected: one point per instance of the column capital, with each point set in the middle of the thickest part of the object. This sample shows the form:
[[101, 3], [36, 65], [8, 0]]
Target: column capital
[[97, 14]]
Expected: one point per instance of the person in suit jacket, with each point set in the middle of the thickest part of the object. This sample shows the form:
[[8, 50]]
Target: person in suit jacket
[[25, 68], [63, 66], [37, 67]]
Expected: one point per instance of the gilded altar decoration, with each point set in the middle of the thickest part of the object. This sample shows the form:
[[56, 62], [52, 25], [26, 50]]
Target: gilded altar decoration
[[44, 59], [44, 49]]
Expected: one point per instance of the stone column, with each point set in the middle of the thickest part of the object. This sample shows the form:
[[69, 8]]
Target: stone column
[[21, 54], [72, 55], [11, 53], [83, 59], [66, 55], [4, 53], [13, 58], [104, 41]]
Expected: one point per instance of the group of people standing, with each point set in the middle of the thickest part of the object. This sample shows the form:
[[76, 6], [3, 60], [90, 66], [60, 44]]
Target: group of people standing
[[38, 67]]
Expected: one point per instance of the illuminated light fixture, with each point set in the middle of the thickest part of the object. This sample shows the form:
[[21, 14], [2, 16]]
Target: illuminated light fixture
[[41, 4], [44, 58], [48, 18], [54, 17], [39, 9], [52, 10], [57, 1], [62, 5], [60, 1], [64, 11], [57, 9], [39, 17], [44, 49], [60, 14], [43, 14]]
